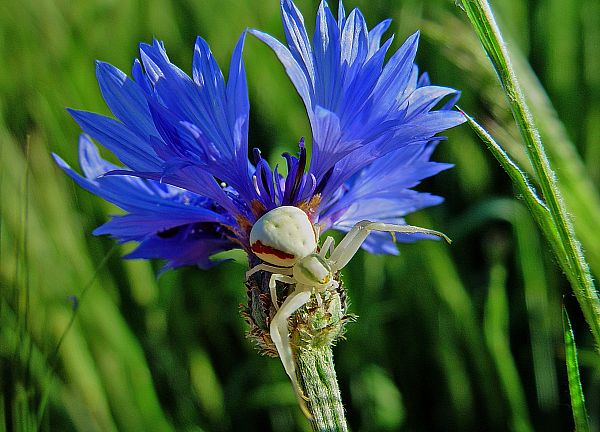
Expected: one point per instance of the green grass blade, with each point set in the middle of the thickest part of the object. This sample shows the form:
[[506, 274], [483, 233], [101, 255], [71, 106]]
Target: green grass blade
[[496, 331], [577, 185], [577, 269], [537, 208], [540, 299], [455, 297], [541, 302], [54, 357], [2, 414], [577, 400]]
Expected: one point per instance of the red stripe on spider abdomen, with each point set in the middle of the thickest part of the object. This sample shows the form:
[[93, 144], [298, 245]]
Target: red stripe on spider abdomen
[[259, 248]]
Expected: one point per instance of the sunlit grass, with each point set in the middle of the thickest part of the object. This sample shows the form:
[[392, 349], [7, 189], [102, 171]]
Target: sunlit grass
[[448, 338]]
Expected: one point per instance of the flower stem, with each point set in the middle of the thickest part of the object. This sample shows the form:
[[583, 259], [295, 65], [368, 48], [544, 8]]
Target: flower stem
[[575, 265], [316, 374], [314, 329]]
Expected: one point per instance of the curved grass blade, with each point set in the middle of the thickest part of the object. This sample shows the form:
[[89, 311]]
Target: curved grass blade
[[576, 268], [496, 323], [540, 301], [577, 185], [536, 206], [577, 399], [54, 357]]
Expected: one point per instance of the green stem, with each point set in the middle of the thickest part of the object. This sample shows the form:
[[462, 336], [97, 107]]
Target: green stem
[[576, 268], [319, 381]]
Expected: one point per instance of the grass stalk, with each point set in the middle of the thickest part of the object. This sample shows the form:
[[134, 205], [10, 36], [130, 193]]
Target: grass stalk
[[574, 263]]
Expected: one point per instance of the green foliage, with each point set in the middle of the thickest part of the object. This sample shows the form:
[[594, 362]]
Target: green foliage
[[564, 241], [460, 337], [577, 398]]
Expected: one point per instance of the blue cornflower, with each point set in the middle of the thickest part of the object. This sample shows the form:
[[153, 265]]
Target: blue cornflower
[[189, 190]]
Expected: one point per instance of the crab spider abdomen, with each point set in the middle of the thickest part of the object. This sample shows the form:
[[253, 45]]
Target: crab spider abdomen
[[283, 236]]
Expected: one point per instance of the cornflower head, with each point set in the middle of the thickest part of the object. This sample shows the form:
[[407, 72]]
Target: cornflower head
[[190, 191]]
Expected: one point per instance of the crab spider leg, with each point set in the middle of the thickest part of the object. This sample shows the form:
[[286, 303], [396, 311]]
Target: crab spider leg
[[279, 328], [357, 235], [319, 299], [346, 242], [406, 229], [273, 286], [281, 338], [271, 269], [328, 245], [317, 228]]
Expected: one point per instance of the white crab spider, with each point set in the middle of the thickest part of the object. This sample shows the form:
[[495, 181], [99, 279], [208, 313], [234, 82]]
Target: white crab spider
[[286, 240]]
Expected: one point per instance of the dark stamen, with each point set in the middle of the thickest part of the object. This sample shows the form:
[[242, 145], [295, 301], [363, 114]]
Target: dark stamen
[[265, 180], [257, 156], [324, 181], [299, 171]]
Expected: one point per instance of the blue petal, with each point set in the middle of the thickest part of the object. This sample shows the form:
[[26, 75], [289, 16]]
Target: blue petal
[[125, 98], [174, 88], [184, 248], [170, 142], [354, 39], [327, 133], [423, 99], [130, 148], [375, 36], [424, 80], [326, 41], [297, 38], [192, 179], [420, 130], [357, 100], [341, 14], [202, 119], [92, 165], [426, 125], [395, 76], [400, 169], [136, 226], [292, 68], [212, 101], [233, 171], [134, 194], [381, 207], [237, 100], [141, 79]]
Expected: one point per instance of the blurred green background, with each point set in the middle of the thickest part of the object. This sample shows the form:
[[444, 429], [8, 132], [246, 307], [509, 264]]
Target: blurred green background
[[460, 337]]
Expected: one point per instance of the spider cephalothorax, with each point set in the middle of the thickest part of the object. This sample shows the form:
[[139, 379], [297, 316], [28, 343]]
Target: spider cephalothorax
[[287, 242]]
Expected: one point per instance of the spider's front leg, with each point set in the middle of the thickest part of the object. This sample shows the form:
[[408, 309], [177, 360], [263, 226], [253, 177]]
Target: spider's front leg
[[281, 338], [350, 244], [273, 286], [268, 268], [327, 246]]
